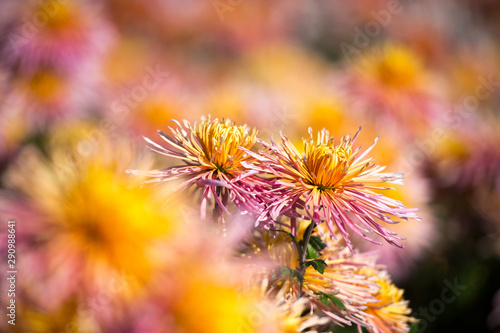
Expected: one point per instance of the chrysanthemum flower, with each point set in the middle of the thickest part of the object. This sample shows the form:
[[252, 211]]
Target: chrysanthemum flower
[[46, 91], [343, 279], [394, 66], [332, 184], [46, 95], [385, 309], [351, 279], [390, 86], [86, 224], [390, 312], [213, 162], [226, 308], [473, 160], [52, 50], [66, 35], [155, 110]]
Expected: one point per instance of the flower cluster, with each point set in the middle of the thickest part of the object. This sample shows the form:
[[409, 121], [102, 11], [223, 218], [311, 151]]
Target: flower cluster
[[302, 205]]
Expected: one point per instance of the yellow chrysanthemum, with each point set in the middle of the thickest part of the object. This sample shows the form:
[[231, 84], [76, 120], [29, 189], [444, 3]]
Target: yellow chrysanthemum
[[394, 66], [209, 307], [363, 288], [214, 161], [390, 313], [340, 277], [88, 214], [206, 306], [390, 87]]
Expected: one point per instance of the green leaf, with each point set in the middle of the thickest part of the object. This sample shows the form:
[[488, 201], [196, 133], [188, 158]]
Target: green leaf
[[317, 264], [325, 300], [337, 302], [413, 328], [311, 252], [316, 243], [330, 300]]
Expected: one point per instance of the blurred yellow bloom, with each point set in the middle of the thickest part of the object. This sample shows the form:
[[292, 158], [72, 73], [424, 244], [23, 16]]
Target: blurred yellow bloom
[[394, 66], [46, 86], [68, 318], [64, 17], [209, 307], [390, 87], [95, 218]]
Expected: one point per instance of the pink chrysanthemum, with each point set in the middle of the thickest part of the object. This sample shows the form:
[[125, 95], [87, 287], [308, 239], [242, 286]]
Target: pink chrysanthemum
[[213, 162], [65, 35], [332, 184], [390, 86]]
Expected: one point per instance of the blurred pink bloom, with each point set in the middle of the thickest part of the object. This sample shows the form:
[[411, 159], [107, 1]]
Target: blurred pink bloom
[[390, 87], [65, 35], [82, 225]]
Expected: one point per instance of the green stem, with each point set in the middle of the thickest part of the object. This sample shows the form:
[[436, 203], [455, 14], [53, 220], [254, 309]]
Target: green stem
[[302, 255]]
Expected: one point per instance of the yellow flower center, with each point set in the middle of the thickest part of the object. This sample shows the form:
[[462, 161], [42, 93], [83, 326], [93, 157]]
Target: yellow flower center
[[46, 85], [397, 67], [60, 16], [327, 164], [219, 144], [109, 221]]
